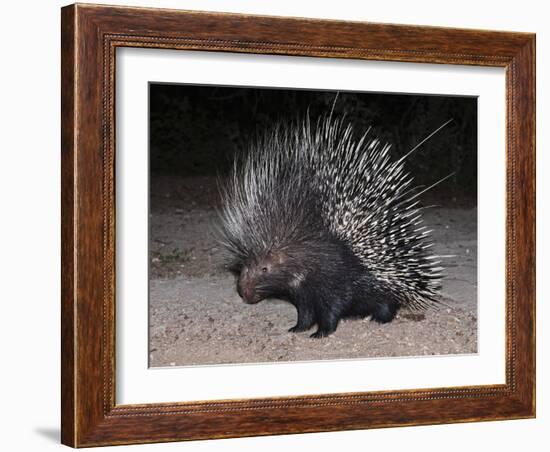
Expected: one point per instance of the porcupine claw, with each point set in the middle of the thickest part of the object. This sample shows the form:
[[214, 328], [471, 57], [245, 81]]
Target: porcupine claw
[[298, 329], [319, 334]]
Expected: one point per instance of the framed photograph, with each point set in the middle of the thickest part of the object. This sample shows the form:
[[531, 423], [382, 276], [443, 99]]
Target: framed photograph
[[281, 225]]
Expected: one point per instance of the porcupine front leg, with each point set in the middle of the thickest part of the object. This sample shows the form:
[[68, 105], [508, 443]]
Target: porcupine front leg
[[306, 316], [326, 326], [328, 315]]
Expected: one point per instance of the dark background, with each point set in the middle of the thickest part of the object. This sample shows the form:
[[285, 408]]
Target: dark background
[[196, 130]]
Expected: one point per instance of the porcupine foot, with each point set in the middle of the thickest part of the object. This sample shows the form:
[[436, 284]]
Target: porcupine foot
[[320, 334], [326, 325], [299, 328]]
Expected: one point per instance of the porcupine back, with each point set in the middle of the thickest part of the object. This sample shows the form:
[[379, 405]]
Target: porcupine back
[[305, 183]]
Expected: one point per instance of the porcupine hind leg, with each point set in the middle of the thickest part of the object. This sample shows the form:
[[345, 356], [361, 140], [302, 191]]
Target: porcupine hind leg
[[384, 305], [373, 299], [385, 312]]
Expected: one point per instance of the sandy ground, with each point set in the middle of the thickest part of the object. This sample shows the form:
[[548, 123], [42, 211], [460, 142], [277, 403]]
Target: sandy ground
[[196, 316]]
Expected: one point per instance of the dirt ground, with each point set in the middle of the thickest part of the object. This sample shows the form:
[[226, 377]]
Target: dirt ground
[[197, 318]]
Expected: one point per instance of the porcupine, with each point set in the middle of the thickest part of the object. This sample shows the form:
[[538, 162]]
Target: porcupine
[[324, 219]]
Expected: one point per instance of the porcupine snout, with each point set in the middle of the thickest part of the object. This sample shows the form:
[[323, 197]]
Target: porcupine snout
[[246, 288]]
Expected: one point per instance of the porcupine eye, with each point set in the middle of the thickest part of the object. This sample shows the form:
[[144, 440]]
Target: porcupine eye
[[264, 269]]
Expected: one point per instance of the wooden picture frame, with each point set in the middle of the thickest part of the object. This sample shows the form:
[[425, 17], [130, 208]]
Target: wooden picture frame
[[90, 36]]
